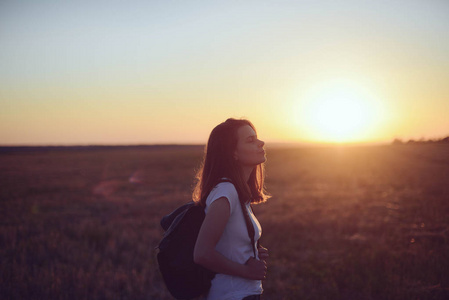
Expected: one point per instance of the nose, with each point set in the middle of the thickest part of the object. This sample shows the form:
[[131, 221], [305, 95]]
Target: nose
[[261, 143]]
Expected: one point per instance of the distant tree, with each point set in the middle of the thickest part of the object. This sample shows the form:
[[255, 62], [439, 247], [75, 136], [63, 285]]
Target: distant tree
[[397, 142]]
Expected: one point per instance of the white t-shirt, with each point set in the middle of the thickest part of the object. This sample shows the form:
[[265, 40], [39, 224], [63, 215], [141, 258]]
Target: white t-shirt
[[235, 245]]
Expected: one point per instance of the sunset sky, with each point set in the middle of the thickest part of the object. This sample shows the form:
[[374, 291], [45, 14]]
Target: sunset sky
[[142, 72]]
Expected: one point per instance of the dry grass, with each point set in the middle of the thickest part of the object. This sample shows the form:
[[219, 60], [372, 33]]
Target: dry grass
[[343, 223]]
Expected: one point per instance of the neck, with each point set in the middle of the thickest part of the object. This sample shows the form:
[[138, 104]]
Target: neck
[[246, 172]]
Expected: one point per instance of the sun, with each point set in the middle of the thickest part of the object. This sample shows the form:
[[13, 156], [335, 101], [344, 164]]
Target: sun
[[338, 118], [339, 113]]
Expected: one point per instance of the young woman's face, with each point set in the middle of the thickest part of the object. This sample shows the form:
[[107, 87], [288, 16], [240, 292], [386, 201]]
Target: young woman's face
[[249, 150]]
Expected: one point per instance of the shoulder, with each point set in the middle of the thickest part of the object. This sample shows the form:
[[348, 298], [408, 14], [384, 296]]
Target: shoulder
[[229, 189], [224, 190], [228, 186]]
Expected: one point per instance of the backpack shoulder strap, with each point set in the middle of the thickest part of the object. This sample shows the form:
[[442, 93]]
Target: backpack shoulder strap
[[249, 224]]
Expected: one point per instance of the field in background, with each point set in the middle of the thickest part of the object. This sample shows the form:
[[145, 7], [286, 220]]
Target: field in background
[[343, 223]]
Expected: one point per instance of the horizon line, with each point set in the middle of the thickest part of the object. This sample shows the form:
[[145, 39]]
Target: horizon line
[[185, 144]]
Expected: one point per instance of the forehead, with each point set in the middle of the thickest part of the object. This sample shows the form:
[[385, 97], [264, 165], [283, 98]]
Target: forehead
[[245, 131]]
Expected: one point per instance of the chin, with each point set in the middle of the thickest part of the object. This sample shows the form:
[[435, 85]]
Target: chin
[[262, 161]]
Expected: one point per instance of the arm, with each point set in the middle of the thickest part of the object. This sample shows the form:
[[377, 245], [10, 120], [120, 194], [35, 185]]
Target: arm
[[208, 237]]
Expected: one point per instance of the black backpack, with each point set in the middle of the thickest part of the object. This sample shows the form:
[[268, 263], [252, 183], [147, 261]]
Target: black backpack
[[183, 277]]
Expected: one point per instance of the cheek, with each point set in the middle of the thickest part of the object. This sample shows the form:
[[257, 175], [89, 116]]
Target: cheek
[[246, 153], [244, 150]]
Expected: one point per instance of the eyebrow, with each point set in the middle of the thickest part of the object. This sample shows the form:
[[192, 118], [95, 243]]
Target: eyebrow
[[251, 136]]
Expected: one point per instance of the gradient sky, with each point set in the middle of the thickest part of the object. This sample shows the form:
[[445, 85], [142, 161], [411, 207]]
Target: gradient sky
[[130, 72]]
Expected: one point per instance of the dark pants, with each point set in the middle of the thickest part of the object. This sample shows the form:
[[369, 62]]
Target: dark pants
[[252, 297]]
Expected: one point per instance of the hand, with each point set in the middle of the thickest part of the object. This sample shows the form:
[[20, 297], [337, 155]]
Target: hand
[[263, 253], [256, 269]]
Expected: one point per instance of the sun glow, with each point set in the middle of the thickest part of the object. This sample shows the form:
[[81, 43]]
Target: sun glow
[[340, 112]]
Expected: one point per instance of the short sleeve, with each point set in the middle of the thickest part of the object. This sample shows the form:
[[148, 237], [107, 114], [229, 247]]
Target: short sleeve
[[226, 190]]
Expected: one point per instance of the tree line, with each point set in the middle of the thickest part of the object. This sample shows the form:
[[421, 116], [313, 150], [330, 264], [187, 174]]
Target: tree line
[[398, 141]]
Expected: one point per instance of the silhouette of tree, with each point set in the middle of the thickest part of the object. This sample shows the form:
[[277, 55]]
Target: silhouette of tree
[[398, 141]]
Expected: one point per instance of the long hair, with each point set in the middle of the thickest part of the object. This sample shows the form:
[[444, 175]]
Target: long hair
[[219, 162]]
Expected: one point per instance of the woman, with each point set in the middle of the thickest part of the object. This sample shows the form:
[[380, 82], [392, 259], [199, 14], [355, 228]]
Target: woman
[[231, 178]]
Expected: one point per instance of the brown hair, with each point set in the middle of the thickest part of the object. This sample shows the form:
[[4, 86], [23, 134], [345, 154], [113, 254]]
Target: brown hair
[[219, 162]]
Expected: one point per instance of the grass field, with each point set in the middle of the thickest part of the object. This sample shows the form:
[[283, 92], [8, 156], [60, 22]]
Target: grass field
[[343, 223]]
